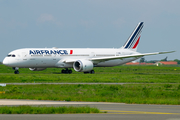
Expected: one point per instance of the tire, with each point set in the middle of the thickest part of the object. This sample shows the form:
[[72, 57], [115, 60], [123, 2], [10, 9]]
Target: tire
[[62, 71], [69, 71], [92, 72], [16, 72]]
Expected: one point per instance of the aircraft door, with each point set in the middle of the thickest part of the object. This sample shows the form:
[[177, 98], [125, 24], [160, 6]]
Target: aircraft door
[[24, 56], [118, 53]]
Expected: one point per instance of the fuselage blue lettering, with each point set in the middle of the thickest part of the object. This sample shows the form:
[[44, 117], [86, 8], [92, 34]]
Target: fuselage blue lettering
[[53, 51], [65, 51], [38, 52], [48, 52], [42, 51], [31, 52]]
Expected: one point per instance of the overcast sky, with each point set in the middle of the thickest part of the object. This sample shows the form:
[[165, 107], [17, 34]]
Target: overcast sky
[[90, 24]]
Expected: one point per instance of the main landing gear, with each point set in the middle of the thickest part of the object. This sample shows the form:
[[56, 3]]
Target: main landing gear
[[91, 72], [66, 71], [16, 70]]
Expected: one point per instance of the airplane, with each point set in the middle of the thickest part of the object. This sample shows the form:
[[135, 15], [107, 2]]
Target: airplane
[[80, 59]]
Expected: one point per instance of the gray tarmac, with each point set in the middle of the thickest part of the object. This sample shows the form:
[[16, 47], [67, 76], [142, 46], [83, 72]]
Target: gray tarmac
[[115, 111], [89, 117]]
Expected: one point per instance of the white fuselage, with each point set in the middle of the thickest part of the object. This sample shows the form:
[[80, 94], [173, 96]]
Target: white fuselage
[[55, 57]]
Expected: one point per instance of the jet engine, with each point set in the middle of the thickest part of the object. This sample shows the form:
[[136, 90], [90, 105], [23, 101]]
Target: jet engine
[[37, 69], [83, 65]]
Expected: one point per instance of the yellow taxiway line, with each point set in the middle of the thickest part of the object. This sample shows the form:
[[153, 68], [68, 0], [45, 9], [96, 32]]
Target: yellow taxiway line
[[133, 112]]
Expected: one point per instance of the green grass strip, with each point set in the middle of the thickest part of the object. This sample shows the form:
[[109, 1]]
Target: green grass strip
[[46, 110], [127, 93], [118, 74]]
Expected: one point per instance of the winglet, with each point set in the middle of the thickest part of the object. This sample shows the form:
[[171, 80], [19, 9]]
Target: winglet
[[166, 52]]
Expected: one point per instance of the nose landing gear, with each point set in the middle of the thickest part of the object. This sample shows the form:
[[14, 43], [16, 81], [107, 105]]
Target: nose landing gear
[[16, 70]]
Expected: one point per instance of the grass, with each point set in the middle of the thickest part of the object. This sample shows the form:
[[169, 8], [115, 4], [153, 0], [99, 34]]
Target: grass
[[159, 85], [46, 110], [127, 93], [118, 74]]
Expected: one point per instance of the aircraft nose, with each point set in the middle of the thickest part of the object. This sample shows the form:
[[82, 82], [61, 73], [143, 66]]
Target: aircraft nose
[[5, 61]]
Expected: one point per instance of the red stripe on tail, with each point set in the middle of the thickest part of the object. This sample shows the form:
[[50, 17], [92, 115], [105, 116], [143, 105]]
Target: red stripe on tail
[[136, 43]]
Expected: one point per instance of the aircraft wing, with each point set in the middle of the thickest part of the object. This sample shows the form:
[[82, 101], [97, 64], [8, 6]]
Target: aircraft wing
[[127, 56], [102, 59]]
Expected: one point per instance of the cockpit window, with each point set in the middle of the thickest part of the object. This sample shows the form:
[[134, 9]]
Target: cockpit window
[[11, 55]]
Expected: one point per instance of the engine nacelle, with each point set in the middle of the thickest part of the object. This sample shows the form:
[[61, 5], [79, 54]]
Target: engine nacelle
[[83, 65], [37, 69]]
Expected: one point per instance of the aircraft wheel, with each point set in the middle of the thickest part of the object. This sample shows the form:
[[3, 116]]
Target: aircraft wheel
[[92, 72], [69, 71], [16, 72], [66, 71], [63, 71]]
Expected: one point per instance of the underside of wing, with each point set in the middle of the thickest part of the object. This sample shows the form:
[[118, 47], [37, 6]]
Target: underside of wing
[[69, 60]]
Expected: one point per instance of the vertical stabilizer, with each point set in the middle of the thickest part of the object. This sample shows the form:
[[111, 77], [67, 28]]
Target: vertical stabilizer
[[134, 38]]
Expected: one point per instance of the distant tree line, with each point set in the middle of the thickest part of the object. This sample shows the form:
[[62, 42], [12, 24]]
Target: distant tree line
[[178, 61], [142, 60]]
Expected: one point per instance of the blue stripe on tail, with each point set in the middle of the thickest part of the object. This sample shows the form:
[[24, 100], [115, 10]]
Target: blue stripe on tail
[[133, 37]]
